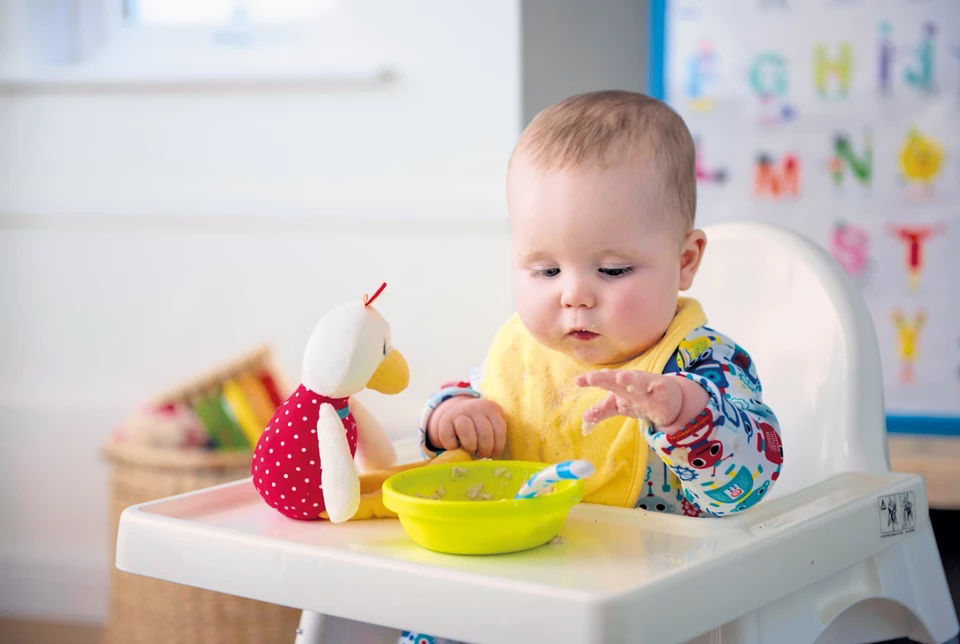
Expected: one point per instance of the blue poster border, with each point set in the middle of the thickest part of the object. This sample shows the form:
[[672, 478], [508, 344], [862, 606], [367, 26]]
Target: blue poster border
[[658, 48]]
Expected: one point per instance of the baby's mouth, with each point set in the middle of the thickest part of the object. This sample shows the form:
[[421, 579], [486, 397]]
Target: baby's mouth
[[582, 334]]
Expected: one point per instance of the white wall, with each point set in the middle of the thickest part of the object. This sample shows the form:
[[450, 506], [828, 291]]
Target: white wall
[[434, 139], [146, 236]]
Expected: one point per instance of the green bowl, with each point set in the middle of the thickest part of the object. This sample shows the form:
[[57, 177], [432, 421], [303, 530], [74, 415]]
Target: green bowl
[[469, 508]]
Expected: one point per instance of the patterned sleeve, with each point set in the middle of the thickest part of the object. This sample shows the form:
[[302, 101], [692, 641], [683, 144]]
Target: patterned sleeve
[[730, 454], [448, 390]]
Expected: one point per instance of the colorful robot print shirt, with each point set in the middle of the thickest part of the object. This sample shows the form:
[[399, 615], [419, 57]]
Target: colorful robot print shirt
[[725, 459]]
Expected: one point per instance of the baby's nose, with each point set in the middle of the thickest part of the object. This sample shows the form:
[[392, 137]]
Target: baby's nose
[[577, 293]]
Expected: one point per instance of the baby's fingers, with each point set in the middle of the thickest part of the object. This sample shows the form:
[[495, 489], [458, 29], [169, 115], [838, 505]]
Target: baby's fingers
[[466, 433], [485, 439], [603, 410], [633, 381], [609, 379], [499, 434], [447, 435], [605, 378]]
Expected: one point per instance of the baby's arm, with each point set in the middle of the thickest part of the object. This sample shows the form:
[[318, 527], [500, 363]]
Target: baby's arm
[[729, 455], [456, 416], [722, 443]]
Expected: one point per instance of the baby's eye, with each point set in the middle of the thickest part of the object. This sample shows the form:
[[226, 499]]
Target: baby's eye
[[546, 272], [616, 272]]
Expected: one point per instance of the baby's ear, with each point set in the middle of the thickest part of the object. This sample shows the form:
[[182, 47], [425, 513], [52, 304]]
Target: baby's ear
[[691, 252]]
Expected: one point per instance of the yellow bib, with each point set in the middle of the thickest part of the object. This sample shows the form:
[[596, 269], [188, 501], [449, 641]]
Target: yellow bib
[[544, 408]]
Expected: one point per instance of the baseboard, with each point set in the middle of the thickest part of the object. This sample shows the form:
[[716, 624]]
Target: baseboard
[[46, 632], [64, 590]]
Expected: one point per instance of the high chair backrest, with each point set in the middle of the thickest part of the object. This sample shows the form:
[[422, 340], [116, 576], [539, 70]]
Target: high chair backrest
[[799, 316]]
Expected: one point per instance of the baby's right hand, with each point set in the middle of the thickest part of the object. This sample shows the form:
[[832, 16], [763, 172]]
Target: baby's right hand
[[474, 424]]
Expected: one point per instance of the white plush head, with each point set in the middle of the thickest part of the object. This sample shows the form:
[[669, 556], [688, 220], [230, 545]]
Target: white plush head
[[345, 348]]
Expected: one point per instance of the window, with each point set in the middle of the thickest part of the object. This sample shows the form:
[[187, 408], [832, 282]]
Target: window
[[186, 43], [222, 12]]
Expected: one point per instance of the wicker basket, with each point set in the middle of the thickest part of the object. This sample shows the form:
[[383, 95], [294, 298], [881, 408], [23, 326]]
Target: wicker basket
[[151, 611]]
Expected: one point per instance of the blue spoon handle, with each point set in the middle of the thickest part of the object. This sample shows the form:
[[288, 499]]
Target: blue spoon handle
[[566, 470]]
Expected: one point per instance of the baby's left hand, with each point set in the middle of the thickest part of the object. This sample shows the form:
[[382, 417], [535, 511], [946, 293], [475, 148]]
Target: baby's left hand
[[637, 394]]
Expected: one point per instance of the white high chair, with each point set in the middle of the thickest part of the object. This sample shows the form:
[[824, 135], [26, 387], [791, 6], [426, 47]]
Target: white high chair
[[809, 331], [840, 551]]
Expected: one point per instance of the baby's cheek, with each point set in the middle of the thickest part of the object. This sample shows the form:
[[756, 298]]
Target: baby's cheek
[[628, 306], [534, 311], [637, 321]]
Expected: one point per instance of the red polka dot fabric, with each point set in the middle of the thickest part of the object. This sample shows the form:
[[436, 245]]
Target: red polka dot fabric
[[286, 464]]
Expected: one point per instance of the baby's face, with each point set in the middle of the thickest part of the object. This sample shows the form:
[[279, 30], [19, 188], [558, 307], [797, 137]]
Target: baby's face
[[596, 268]]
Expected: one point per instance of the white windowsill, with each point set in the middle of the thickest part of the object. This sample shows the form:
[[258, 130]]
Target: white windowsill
[[185, 59], [94, 79]]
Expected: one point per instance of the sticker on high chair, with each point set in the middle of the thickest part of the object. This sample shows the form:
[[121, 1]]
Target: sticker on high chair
[[896, 512]]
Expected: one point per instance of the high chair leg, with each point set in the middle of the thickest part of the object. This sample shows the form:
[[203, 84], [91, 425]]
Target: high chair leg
[[316, 628], [310, 628]]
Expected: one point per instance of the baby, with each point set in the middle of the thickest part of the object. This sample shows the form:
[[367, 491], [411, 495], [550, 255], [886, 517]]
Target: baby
[[603, 360]]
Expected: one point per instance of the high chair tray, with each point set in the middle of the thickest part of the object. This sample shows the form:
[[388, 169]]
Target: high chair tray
[[616, 575]]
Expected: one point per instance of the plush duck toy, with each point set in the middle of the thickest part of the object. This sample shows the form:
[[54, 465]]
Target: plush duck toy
[[304, 461]]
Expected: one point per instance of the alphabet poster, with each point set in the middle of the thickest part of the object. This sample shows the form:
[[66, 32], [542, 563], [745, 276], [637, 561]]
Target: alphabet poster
[[840, 119]]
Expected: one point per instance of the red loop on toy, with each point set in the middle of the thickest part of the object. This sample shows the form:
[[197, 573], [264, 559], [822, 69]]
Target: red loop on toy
[[367, 301]]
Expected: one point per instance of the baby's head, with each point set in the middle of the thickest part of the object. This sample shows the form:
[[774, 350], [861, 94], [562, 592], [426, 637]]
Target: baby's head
[[601, 191]]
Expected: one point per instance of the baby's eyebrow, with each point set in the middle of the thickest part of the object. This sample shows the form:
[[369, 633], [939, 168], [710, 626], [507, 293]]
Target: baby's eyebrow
[[617, 254], [536, 256]]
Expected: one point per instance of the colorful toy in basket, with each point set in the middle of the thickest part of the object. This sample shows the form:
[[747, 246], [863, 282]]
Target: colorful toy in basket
[[167, 425], [303, 464], [224, 409]]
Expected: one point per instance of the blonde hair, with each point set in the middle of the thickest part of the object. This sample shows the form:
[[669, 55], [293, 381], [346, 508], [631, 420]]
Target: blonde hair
[[609, 126]]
